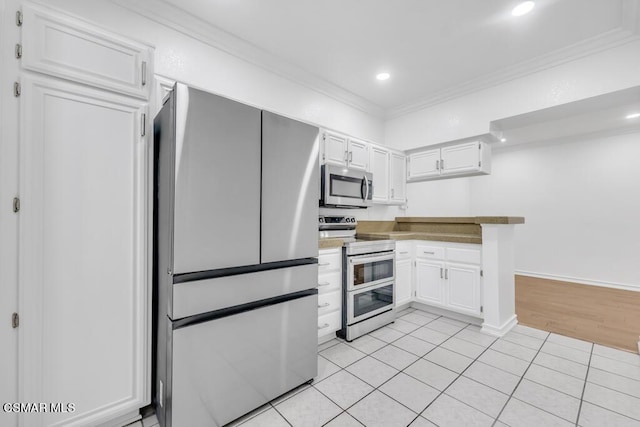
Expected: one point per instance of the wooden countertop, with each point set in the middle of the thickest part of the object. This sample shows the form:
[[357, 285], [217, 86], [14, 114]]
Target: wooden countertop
[[418, 235], [464, 220], [330, 242]]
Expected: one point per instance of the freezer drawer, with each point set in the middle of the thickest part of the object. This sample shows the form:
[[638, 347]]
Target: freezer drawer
[[227, 367], [202, 296]]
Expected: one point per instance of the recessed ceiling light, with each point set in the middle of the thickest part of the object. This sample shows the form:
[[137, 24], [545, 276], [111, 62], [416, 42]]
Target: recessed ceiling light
[[503, 139], [383, 76], [523, 8], [633, 116]]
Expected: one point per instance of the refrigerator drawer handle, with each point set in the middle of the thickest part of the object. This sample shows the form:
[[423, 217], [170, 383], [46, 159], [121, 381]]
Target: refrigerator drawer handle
[[326, 325], [326, 304], [324, 284]]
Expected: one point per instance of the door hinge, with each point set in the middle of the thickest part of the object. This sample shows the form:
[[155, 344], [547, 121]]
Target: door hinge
[[143, 124], [15, 320], [17, 89], [19, 18], [144, 73], [479, 146], [18, 50], [16, 205], [481, 273], [481, 309]]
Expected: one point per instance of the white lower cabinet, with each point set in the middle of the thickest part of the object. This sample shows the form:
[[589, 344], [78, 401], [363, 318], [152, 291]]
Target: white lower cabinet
[[404, 272], [329, 293], [448, 275]]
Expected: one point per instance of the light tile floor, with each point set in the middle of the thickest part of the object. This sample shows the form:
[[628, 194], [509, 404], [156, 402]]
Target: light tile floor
[[426, 370]]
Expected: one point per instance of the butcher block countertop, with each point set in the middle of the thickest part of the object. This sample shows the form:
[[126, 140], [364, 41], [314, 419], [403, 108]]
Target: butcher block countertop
[[441, 229], [330, 242]]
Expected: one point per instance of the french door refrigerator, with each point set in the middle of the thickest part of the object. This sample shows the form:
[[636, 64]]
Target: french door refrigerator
[[235, 257]]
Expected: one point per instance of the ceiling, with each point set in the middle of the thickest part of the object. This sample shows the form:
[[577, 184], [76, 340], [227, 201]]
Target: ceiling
[[432, 49]]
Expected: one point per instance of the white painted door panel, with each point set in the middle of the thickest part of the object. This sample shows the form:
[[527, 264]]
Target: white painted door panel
[[429, 282], [397, 178], [460, 158], [424, 164], [335, 149], [358, 155], [379, 167], [63, 46], [84, 284], [463, 287], [404, 291]]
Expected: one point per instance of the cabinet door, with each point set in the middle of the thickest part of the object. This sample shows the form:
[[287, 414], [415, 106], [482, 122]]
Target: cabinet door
[[463, 287], [404, 288], [398, 178], [460, 158], [63, 46], [84, 283], [358, 155], [430, 282], [424, 164], [335, 149], [379, 166]]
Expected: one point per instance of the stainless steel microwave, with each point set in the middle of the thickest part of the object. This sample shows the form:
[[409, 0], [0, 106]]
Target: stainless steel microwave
[[344, 188]]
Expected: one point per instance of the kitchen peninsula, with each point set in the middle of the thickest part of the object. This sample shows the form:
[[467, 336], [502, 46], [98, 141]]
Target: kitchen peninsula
[[461, 247]]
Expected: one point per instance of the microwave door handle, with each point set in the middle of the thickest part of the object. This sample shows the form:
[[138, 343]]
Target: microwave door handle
[[362, 190], [366, 181]]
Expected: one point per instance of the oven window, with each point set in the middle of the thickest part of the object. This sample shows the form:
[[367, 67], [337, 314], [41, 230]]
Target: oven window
[[372, 271], [368, 301]]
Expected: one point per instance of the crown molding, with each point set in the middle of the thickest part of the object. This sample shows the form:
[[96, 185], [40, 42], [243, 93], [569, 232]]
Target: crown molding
[[627, 32], [185, 23]]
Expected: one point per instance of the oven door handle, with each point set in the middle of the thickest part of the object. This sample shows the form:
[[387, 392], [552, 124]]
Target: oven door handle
[[363, 259]]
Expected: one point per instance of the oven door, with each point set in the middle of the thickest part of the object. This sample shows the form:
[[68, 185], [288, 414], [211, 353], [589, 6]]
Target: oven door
[[346, 188], [368, 302], [369, 270]]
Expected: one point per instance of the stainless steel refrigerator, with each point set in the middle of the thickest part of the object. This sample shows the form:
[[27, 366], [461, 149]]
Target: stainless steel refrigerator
[[235, 257]]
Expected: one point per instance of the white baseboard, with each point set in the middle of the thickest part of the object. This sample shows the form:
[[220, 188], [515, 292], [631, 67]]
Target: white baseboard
[[499, 331], [446, 313], [579, 280]]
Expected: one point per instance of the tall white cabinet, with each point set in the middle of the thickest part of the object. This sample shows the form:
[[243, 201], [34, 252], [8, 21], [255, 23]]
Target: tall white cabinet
[[84, 225]]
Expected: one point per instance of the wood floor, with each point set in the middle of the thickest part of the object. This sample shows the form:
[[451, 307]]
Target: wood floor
[[605, 316]]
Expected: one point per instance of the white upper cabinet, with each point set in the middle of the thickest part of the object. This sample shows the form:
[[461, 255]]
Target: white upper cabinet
[[397, 178], [424, 164], [335, 149], [462, 159], [344, 151], [358, 157], [65, 47], [379, 166]]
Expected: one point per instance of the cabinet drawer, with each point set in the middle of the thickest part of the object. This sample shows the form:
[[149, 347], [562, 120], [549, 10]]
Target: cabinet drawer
[[468, 256], [328, 302], [431, 252], [330, 261], [329, 282], [403, 250], [329, 323]]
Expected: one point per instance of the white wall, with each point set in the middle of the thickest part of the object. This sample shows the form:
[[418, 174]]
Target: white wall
[[580, 199], [581, 202], [181, 57]]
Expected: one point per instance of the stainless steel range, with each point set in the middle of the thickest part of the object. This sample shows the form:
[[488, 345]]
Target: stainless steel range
[[368, 278]]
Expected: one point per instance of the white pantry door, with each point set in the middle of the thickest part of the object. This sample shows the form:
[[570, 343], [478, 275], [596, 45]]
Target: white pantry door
[[83, 268]]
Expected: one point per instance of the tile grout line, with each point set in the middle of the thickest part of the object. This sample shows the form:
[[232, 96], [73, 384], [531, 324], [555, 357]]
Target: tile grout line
[[456, 379], [584, 387], [518, 384]]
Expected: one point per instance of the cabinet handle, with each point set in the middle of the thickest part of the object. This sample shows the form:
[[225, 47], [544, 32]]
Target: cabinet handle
[[437, 165], [350, 156], [428, 253], [326, 304], [326, 325], [392, 193], [442, 164], [346, 156], [324, 284], [323, 264], [446, 273], [441, 272]]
